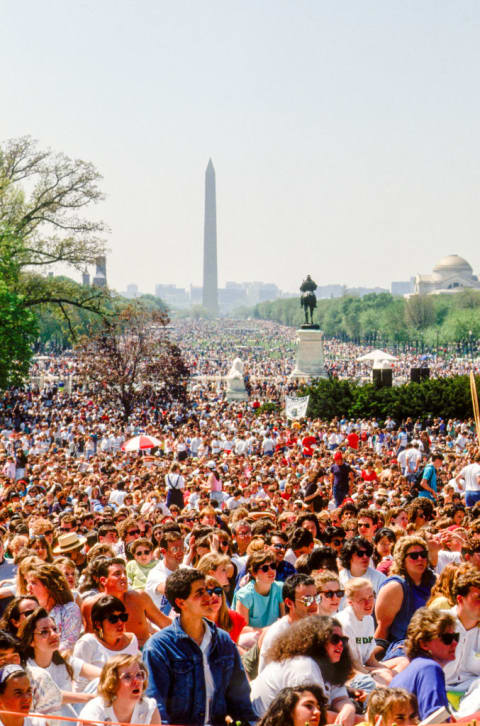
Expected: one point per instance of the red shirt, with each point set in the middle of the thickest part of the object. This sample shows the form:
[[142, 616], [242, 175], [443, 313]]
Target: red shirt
[[238, 624]]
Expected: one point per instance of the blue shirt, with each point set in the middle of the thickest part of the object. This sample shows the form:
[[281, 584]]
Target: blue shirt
[[430, 474], [425, 678], [263, 610], [177, 682]]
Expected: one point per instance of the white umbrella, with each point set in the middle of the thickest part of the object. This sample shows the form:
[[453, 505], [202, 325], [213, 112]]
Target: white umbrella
[[141, 443], [376, 356]]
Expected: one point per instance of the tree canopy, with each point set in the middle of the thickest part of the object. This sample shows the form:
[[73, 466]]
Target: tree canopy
[[376, 318], [131, 362], [45, 200]]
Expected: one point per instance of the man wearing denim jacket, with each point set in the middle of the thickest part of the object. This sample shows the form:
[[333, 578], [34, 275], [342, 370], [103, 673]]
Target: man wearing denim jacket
[[194, 668]]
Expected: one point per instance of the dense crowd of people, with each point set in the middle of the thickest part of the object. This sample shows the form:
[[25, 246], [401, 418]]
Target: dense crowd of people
[[247, 569]]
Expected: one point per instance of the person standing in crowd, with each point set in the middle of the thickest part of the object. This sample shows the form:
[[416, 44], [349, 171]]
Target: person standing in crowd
[[194, 669], [341, 477]]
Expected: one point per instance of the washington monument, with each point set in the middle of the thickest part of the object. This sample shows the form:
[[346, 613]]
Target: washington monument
[[210, 278]]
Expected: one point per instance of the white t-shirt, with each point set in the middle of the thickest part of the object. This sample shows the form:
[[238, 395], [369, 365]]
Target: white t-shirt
[[98, 710], [359, 633], [90, 650], [375, 577], [276, 629], [290, 672], [207, 673], [156, 577], [461, 672], [470, 474]]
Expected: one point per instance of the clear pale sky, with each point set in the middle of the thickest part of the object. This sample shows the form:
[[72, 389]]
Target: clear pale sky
[[344, 133]]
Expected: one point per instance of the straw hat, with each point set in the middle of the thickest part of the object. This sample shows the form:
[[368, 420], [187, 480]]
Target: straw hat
[[68, 542]]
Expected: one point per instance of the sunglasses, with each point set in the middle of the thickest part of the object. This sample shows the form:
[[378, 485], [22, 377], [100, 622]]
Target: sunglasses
[[266, 568], [335, 639], [423, 555], [333, 593], [133, 532], [448, 638], [337, 542], [279, 547], [362, 553], [113, 619], [48, 532], [218, 591], [142, 552], [308, 600]]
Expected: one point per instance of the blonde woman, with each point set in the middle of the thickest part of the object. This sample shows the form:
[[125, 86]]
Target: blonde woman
[[121, 694]]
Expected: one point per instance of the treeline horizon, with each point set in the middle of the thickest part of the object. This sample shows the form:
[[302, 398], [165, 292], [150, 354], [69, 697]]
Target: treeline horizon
[[381, 318]]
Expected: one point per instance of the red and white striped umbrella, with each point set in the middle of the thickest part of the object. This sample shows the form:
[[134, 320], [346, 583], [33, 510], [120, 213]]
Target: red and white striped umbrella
[[141, 443]]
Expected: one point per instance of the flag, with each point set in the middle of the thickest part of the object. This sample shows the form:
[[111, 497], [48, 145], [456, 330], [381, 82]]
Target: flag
[[296, 407]]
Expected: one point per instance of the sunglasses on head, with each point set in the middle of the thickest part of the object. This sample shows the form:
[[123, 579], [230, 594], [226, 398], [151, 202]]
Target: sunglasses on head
[[448, 638], [266, 568], [423, 554], [218, 591], [333, 593], [335, 639], [113, 619]]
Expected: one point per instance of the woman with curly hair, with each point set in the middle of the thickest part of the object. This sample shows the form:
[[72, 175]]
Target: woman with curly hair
[[430, 644], [313, 650], [121, 694], [49, 585], [406, 589], [297, 706]]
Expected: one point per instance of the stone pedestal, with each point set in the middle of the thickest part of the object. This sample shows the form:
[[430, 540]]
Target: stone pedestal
[[310, 362], [232, 395]]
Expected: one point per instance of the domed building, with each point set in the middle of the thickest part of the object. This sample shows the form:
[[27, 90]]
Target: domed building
[[450, 274]]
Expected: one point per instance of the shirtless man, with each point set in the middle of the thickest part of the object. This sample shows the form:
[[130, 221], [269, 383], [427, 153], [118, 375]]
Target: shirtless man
[[139, 606]]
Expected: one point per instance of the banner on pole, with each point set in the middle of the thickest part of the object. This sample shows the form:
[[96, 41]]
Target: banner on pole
[[296, 407]]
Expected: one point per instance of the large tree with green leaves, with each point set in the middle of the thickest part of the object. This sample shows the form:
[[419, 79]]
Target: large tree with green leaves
[[18, 326], [45, 198]]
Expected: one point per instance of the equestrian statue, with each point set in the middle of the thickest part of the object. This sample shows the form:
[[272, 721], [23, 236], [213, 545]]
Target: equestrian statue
[[308, 299]]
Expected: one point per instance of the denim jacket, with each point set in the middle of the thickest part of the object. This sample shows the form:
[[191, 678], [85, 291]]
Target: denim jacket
[[176, 680]]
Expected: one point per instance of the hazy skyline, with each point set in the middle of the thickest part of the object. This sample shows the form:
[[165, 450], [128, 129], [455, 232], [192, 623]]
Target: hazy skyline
[[344, 135]]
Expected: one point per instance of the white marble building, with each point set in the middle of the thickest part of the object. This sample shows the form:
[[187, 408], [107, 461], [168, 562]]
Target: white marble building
[[450, 274]]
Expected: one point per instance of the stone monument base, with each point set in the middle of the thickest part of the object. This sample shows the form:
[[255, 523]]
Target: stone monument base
[[232, 396], [310, 362]]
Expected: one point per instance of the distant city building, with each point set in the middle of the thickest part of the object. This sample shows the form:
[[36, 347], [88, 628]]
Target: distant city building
[[403, 287], [362, 291], [450, 274], [232, 296], [210, 274], [173, 296], [100, 279], [324, 292], [132, 290], [196, 295]]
